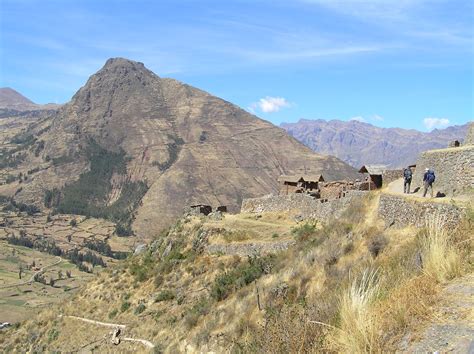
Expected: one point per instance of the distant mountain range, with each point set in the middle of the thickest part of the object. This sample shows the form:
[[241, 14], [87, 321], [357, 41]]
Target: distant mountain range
[[12, 100], [358, 143]]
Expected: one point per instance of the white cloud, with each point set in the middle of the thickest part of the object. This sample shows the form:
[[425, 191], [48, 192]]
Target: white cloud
[[432, 123], [358, 119], [377, 118], [269, 104]]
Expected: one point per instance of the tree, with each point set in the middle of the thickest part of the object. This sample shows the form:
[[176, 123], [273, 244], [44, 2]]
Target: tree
[[20, 270]]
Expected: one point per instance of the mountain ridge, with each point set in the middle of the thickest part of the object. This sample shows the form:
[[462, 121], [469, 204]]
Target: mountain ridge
[[358, 143], [11, 99]]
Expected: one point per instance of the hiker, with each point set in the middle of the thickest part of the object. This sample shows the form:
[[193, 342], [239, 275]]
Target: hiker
[[407, 174], [428, 180]]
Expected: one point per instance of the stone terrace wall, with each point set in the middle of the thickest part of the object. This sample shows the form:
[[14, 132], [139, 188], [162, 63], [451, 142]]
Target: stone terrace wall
[[469, 140], [303, 204], [399, 212], [249, 249], [389, 176], [454, 169]]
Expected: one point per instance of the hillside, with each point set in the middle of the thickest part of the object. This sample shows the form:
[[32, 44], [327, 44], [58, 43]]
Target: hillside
[[130, 142], [347, 285], [358, 143], [14, 101]]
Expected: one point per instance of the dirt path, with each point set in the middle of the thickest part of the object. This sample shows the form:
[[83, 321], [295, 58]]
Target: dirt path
[[396, 187], [32, 278], [145, 342], [452, 329]]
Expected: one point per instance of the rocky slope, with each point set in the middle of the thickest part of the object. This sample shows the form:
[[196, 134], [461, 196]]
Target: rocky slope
[[158, 145], [359, 143]]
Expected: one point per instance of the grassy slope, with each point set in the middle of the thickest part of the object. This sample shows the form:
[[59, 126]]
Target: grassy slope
[[348, 286]]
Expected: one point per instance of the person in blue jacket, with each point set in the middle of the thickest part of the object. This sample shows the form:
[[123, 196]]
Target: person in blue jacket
[[428, 180]]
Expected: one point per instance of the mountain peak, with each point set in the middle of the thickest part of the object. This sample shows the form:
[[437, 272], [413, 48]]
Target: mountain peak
[[118, 62]]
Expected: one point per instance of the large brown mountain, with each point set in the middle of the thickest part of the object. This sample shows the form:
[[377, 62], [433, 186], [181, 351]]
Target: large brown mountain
[[127, 128], [359, 143]]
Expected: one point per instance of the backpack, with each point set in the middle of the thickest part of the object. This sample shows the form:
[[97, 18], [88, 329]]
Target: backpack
[[430, 177], [407, 174]]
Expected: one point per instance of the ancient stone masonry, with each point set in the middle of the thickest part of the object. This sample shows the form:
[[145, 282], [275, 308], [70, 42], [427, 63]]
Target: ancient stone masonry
[[454, 169], [305, 205], [470, 135], [389, 176], [400, 212], [249, 249]]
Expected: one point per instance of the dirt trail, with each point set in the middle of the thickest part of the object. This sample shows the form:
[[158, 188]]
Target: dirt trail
[[113, 325], [32, 278], [452, 329], [396, 187]]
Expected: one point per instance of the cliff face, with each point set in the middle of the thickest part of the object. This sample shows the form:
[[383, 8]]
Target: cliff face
[[186, 145], [359, 143]]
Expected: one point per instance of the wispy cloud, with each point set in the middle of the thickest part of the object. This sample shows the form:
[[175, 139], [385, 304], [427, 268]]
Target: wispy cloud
[[432, 123], [269, 104]]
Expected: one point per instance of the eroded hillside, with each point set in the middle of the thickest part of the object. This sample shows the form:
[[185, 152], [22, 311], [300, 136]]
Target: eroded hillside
[[349, 285]]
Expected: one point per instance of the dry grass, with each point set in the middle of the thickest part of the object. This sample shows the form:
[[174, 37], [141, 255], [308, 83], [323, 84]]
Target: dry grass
[[357, 332], [441, 260]]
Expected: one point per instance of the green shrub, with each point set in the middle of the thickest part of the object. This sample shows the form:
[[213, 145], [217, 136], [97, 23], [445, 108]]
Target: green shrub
[[113, 313], [125, 306], [244, 274], [165, 295], [302, 232], [53, 335], [140, 308]]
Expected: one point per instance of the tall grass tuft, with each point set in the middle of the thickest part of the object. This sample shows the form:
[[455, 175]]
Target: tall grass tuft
[[441, 261], [358, 328]]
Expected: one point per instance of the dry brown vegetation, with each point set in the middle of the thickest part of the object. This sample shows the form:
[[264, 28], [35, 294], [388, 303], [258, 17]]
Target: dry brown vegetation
[[348, 285]]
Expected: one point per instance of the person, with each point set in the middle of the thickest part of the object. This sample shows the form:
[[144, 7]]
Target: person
[[428, 180], [407, 174]]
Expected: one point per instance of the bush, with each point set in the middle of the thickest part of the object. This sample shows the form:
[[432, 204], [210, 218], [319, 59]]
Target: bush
[[304, 231], [165, 295], [125, 306], [241, 276], [113, 313], [376, 245], [140, 308], [73, 223]]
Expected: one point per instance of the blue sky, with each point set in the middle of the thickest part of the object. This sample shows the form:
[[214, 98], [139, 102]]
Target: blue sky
[[405, 63]]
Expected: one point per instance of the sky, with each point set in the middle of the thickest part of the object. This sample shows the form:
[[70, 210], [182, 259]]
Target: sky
[[391, 63]]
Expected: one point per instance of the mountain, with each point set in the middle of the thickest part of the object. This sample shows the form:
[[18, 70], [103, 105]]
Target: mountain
[[13, 100], [132, 143], [358, 143]]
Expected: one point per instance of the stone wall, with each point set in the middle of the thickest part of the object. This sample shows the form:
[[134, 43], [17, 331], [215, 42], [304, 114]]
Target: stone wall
[[249, 249], [469, 140], [399, 212], [389, 176], [453, 167], [302, 204]]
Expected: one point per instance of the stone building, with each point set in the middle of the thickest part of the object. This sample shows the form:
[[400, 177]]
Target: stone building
[[300, 184], [374, 175]]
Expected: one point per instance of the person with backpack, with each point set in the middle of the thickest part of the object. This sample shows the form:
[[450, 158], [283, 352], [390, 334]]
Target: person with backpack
[[407, 174], [428, 180]]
